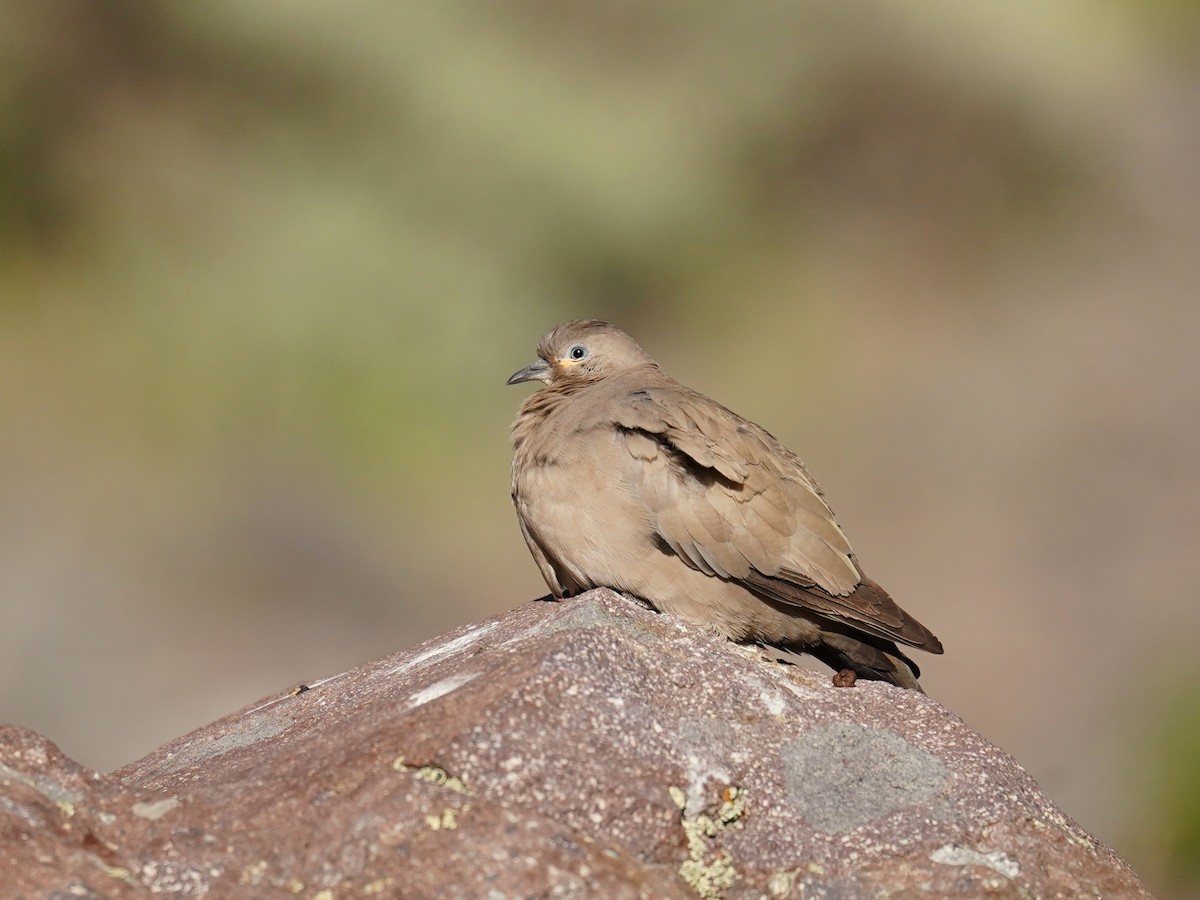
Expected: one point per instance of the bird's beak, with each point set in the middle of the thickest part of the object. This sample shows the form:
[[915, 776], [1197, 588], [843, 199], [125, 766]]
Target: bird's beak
[[535, 371]]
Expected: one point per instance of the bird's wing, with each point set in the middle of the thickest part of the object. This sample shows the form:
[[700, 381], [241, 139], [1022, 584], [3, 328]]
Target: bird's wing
[[731, 501], [549, 574]]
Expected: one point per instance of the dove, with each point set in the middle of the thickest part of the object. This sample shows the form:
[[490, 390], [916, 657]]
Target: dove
[[624, 478]]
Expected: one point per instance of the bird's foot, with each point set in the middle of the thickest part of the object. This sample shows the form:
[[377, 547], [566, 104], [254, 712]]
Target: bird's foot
[[845, 678]]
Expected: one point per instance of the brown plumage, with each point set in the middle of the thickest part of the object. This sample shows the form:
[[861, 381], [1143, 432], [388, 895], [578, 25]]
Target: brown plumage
[[624, 478]]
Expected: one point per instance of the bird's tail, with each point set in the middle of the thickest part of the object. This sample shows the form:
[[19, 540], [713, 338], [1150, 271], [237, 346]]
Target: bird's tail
[[868, 657]]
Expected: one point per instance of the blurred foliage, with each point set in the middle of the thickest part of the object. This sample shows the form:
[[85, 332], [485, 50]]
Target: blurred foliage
[[268, 221], [264, 268], [1169, 838]]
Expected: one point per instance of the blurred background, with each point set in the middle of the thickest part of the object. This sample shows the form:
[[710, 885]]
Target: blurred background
[[264, 269]]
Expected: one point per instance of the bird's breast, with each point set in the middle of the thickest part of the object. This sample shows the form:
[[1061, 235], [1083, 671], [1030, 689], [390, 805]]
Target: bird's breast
[[578, 506]]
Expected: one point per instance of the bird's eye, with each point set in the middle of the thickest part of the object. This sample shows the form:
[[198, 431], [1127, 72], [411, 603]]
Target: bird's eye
[[578, 352]]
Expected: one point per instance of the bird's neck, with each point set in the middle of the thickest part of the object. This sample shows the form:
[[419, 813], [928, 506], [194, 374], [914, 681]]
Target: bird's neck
[[539, 408]]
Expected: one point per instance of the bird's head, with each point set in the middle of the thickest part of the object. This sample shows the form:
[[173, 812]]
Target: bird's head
[[577, 353]]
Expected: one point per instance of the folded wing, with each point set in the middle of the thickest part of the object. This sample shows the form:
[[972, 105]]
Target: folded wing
[[731, 501]]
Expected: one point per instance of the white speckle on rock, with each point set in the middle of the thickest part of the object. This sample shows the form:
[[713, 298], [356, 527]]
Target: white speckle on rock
[[997, 861], [155, 810], [774, 703], [513, 762], [699, 771], [462, 642], [440, 688], [804, 692]]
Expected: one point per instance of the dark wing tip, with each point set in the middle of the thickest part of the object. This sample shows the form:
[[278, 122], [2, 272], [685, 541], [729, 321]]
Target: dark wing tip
[[867, 608]]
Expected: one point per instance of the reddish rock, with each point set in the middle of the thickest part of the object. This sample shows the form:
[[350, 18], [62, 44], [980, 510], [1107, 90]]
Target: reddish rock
[[584, 748]]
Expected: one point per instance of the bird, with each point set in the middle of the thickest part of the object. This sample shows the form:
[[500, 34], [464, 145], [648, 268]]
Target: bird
[[624, 478]]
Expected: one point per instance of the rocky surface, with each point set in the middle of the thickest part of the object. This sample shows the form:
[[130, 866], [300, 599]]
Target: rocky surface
[[584, 748]]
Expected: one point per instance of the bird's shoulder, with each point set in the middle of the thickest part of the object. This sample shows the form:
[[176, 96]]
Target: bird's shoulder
[[709, 433]]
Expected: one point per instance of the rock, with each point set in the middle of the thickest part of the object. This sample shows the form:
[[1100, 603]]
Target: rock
[[584, 748]]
